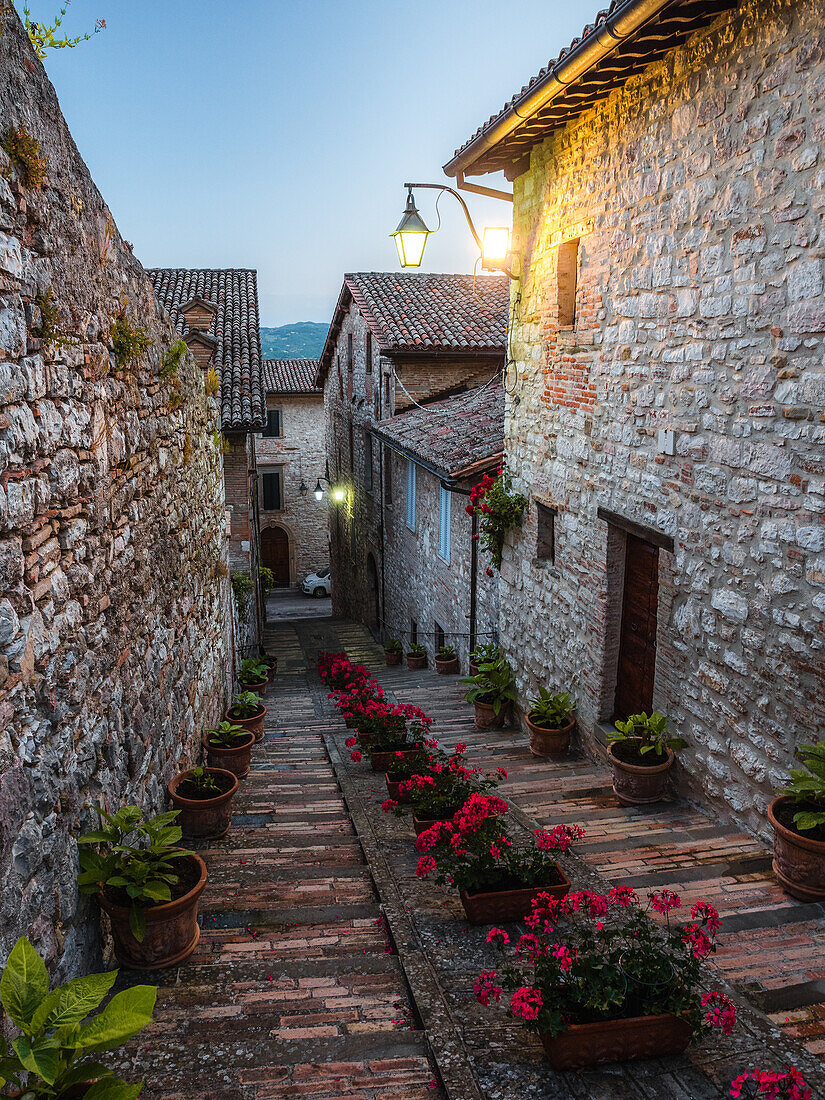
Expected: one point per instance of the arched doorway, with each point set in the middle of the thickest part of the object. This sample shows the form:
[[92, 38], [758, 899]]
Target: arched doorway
[[275, 554], [373, 599]]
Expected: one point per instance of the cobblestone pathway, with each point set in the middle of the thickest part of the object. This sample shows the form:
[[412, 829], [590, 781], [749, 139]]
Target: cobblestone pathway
[[297, 988]]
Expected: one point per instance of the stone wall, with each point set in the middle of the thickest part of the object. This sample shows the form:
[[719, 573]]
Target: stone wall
[[299, 453], [696, 193], [113, 574]]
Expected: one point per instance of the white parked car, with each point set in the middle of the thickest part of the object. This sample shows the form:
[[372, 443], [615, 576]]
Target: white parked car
[[317, 584]]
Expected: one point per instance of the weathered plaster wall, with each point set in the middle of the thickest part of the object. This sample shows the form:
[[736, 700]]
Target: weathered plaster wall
[[697, 193], [113, 585], [299, 452]]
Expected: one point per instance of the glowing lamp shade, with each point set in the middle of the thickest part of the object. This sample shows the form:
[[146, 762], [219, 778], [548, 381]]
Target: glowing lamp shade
[[495, 246], [411, 235], [318, 491], [338, 494]]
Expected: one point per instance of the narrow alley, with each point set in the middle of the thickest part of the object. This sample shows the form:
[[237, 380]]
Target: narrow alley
[[327, 969]]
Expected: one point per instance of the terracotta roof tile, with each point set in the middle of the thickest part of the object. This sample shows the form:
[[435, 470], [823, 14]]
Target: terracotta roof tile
[[451, 435], [291, 376], [235, 326]]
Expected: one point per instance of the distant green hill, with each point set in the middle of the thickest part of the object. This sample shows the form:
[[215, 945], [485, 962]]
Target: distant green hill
[[303, 340]]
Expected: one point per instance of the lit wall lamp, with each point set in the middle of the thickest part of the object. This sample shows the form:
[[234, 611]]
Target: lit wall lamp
[[411, 235]]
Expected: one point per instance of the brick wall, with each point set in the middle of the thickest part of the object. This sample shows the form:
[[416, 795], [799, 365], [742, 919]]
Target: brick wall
[[113, 585], [696, 196], [299, 453]]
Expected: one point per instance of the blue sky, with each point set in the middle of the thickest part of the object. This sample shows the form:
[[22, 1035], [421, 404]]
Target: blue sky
[[275, 135]]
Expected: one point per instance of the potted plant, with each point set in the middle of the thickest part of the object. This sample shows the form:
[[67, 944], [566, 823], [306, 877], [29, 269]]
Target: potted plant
[[247, 711], [416, 656], [393, 651], [271, 663], [57, 1049], [400, 771], [204, 798], [496, 880], [446, 661], [492, 692], [441, 785], [642, 754], [229, 746], [393, 733], [253, 675], [798, 820], [148, 886], [550, 722], [483, 654], [599, 981]]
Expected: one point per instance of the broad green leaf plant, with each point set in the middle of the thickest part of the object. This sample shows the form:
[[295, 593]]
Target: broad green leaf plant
[[549, 710], [807, 785], [494, 685], [57, 1044], [132, 855], [47, 36], [651, 730]]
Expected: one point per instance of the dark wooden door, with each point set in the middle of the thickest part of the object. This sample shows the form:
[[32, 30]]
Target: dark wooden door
[[637, 640], [275, 554]]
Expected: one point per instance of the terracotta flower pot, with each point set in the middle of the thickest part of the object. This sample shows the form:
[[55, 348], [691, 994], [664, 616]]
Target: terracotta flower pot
[[363, 739], [258, 686], [617, 1041], [392, 657], [422, 823], [255, 722], [486, 717], [448, 667], [473, 668], [383, 760], [798, 862], [416, 661], [235, 760], [172, 930], [549, 742], [497, 906], [637, 784], [393, 791], [272, 664], [204, 818]]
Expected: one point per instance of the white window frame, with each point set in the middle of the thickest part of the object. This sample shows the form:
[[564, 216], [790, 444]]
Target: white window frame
[[411, 483], [444, 519]]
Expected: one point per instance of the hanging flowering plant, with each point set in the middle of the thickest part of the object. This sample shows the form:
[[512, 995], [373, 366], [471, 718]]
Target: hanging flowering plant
[[589, 957], [499, 508]]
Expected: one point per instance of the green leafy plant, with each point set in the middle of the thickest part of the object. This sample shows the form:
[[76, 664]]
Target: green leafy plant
[[494, 684], [651, 730], [550, 711], [44, 36], [807, 786], [23, 150], [416, 650], [55, 1048], [267, 579], [212, 382], [500, 510], [226, 735], [251, 670], [242, 587], [485, 654], [245, 704], [201, 782], [49, 328], [445, 652], [133, 856], [171, 361], [393, 645], [129, 340]]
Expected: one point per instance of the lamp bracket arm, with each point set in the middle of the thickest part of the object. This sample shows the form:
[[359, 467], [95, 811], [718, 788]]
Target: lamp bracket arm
[[464, 207]]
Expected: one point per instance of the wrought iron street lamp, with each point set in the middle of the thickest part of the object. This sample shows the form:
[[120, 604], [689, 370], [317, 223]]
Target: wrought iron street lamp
[[412, 233]]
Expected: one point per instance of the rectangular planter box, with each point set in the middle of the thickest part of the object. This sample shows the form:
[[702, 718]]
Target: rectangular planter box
[[617, 1041], [503, 905]]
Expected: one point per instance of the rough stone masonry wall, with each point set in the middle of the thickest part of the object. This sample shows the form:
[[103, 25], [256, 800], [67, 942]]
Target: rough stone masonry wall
[[112, 549], [299, 452], [701, 187]]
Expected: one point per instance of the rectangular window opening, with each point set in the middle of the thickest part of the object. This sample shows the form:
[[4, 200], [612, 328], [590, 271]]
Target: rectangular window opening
[[274, 425], [444, 516], [273, 497], [567, 276], [368, 462], [440, 637], [387, 475], [349, 352], [368, 351], [413, 631], [546, 539]]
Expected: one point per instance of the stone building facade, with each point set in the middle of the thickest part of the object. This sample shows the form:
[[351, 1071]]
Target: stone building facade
[[397, 340], [669, 389], [113, 556], [216, 313], [291, 460]]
